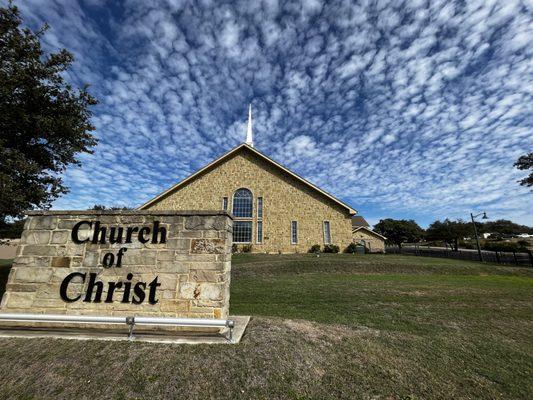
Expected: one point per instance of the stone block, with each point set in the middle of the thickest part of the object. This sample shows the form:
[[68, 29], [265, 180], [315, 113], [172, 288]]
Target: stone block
[[69, 250], [205, 222], [41, 262], [35, 237], [165, 255], [180, 245], [20, 299], [60, 237], [174, 305], [168, 281], [60, 262], [21, 287], [207, 246], [67, 224], [172, 266], [32, 274], [38, 250], [91, 259], [203, 276], [47, 222], [210, 291], [188, 290]]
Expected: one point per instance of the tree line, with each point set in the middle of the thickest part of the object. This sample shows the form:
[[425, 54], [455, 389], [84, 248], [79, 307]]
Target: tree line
[[450, 232]]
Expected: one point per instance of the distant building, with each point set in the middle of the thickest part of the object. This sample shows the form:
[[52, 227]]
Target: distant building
[[358, 221], [362, 234]]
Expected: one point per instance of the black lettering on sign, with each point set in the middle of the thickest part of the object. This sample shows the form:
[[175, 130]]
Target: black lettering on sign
[[95, 288]]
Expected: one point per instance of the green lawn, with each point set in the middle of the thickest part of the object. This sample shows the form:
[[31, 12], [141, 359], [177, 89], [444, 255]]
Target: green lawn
[[336, 326]]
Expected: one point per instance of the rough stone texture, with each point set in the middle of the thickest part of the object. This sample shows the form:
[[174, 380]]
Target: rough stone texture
[[193, 266], [373, 243], [285, 199]]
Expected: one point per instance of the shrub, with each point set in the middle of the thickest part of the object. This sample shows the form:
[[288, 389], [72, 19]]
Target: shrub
[[234, 248], [351, 248], [315, 248], [247, 248], [331, 248]]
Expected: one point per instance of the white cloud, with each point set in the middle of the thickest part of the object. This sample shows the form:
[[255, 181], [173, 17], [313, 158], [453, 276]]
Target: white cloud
[[421, 113]]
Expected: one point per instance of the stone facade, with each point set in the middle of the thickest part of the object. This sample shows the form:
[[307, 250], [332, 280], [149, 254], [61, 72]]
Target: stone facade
[[285, 199], [192, 266], [373, 243]]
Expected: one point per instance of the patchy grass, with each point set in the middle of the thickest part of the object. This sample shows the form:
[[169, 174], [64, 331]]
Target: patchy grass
[[337, 326]]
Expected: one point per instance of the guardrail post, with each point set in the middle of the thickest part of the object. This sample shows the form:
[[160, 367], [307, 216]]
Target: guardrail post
[[131, 322], [231, 325]]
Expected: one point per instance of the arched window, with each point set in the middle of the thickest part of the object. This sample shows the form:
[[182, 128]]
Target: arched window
[[242, 210], [242, 204]]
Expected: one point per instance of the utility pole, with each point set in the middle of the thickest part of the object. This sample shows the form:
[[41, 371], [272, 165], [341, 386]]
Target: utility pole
[[475, 233]]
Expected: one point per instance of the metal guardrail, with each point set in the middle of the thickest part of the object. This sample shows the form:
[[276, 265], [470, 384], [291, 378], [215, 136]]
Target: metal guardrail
[[129, 321]]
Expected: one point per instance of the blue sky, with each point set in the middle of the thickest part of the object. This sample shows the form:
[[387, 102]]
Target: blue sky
[[409, 109]]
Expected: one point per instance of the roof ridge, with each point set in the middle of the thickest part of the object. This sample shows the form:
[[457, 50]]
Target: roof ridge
[[254, 150]]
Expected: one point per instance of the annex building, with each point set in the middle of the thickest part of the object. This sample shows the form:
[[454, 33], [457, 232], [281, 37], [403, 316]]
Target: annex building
[[274, 209]]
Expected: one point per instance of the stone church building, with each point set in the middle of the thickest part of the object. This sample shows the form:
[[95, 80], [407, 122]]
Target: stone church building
[[274, 209]]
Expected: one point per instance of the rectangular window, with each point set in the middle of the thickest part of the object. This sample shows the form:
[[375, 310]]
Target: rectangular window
[[225, 203], [242, 231], [259, 207], [294, 232], [327, 233], [259, 231]]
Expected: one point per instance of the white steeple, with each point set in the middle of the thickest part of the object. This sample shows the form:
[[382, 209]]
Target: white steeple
[[249, 135]]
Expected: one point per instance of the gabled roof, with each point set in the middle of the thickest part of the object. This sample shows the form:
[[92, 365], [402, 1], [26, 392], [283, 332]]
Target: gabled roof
[[358, 220], [369, 231], [261, 155]]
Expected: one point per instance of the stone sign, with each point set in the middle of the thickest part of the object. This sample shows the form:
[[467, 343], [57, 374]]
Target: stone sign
[[117, 263]]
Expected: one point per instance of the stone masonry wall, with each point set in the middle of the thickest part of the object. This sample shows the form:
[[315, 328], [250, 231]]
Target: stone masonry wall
[[373, 243], [285, 199], [192, 267]]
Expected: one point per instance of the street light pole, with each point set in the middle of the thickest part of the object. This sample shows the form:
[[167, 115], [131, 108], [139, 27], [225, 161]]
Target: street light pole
[[475, 233]]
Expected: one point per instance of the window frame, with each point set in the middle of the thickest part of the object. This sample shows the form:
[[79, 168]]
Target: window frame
[[251, 215], [294, 232], [259, 238], [328, 223], [251, 231], [259, 206], [225, 203], [247, 219]]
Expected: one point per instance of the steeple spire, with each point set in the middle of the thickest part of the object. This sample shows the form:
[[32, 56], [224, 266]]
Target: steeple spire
[[249, 135]]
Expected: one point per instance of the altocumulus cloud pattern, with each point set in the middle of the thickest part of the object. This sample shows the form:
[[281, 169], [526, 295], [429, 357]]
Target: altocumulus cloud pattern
[[411, 109]]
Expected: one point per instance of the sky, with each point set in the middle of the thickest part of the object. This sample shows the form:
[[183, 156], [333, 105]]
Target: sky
[[414, 109]]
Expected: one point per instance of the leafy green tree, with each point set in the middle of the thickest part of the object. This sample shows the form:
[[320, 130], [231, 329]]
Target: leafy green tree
[[399, 231], [449, 231], [525, 162], [505, 227], [44, 122], [12, 229]]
